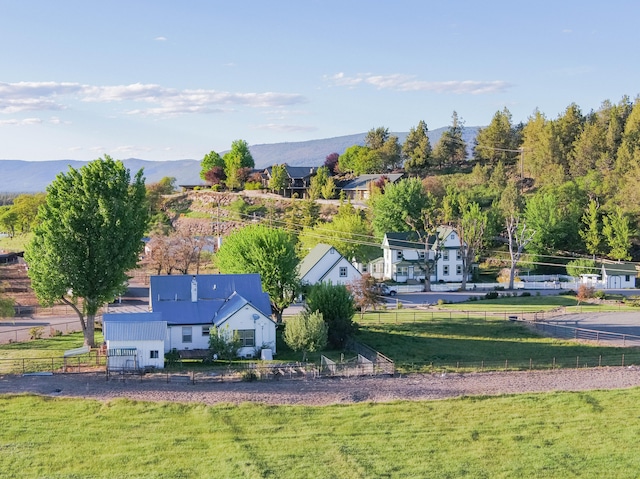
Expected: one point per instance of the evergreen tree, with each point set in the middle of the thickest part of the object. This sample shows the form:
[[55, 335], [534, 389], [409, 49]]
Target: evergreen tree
[[499, 141], [451, 148], [417, 150]]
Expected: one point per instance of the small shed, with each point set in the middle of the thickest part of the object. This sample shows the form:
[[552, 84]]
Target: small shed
[[134, 341], [619, 275]]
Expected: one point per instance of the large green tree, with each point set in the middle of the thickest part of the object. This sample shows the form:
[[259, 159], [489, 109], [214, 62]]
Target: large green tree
[[269, 252], [88, 235], [617, 231], [210, 160], [235, 160], [399, 207], [335, 303], [471, 227]]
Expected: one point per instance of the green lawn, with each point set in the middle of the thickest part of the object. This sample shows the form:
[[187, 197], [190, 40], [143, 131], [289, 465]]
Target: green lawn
[[555, 435], [533, 304], [17, 243], [42, 354], [426, 341]]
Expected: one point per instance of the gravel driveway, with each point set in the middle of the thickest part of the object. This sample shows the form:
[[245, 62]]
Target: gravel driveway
[[326, 391]]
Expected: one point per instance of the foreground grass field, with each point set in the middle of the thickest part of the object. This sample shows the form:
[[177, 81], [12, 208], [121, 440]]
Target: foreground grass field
[[559, 435]]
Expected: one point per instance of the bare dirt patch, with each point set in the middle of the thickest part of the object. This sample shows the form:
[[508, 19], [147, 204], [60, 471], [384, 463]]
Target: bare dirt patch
[[319, 392]]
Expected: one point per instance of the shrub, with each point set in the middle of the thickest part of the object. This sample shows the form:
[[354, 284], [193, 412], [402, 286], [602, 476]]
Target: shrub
[[36, 332], [525, 294], [56, 333], [491, 295], [585, 292], [252, 185], [600, 295]]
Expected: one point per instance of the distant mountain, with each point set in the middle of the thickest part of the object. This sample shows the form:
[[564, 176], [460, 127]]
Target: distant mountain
[[32, 176]]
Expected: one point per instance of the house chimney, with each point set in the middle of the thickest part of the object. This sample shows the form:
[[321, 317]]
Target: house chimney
[[194, 290]]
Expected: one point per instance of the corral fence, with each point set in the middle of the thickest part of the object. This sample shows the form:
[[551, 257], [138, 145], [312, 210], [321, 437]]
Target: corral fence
[[230, 373], [628, 358], [574, 332], [91, 361], [36, 331]]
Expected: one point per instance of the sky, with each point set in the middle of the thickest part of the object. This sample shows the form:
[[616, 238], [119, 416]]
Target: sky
[[168, 80]]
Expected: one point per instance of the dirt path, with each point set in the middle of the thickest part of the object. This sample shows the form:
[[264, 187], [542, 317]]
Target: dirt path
[[325, 391]]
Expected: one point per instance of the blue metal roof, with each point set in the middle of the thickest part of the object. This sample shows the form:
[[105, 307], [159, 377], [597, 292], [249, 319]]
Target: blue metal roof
[[171, 296]]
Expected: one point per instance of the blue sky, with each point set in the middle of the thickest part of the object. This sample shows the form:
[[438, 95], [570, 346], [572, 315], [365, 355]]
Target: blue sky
[[162, 80]]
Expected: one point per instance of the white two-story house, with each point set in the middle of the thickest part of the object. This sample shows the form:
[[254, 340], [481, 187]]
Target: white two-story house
[[404, 256]]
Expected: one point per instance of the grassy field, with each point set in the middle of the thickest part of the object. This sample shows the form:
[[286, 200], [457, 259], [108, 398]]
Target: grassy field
[[17, 243], [422, 341], [556, 435], [535, 304]]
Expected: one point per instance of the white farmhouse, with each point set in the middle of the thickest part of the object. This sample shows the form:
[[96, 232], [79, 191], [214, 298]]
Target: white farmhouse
[[404, 256], [324, 264]]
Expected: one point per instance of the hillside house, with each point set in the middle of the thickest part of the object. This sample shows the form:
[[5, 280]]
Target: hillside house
[[359, 188], [298, 180], [324, 264], [404, 256]]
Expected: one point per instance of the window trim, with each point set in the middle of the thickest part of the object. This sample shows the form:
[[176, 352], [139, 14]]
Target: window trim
[[246, 336]]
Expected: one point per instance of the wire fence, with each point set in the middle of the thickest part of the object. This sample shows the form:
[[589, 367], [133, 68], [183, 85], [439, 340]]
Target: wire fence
[[37, 330], [625, 359], [91, 361]]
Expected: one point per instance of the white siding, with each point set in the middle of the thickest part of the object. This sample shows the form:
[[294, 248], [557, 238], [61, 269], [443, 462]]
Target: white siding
[[265, 328], [143, 353], [334, 274]]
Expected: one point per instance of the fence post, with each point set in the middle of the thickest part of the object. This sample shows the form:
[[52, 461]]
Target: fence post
[[577, 361], [530, 364], [623, 359], [600, 361], [553, 365]]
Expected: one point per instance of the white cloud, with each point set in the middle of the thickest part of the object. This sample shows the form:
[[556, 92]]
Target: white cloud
[[160, 39], [402, 82], [32, 96], [23, 122]]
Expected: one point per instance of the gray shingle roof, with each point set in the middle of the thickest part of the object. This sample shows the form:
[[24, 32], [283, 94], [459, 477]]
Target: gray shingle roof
[[314, 256], [134, 327], [361, 182]]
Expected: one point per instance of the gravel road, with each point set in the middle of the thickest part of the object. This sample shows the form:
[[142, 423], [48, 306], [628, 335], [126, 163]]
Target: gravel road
[[325, 391]]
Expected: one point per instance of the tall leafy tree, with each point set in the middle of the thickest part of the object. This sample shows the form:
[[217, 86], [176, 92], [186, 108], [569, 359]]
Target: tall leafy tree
[[401, 205], [470, 228], [234, 160], [269, 252], [628, 155], [279, 179], [89, 234], [335, 303], [210, 160], [417, 150], [317, 183], [348, 232]]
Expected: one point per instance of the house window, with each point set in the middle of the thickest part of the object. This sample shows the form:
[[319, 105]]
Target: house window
[[364, 268], [247, 337], [627, 278], [398, 254], [445, 270], [402, 270], [343, 271], [205, 330], [458, 255], [186, 334], [154, 355], [445, 255], [421, 254], [458, 269]]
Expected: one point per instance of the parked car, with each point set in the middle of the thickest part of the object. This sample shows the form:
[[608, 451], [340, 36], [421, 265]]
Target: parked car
[[385, 290]]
